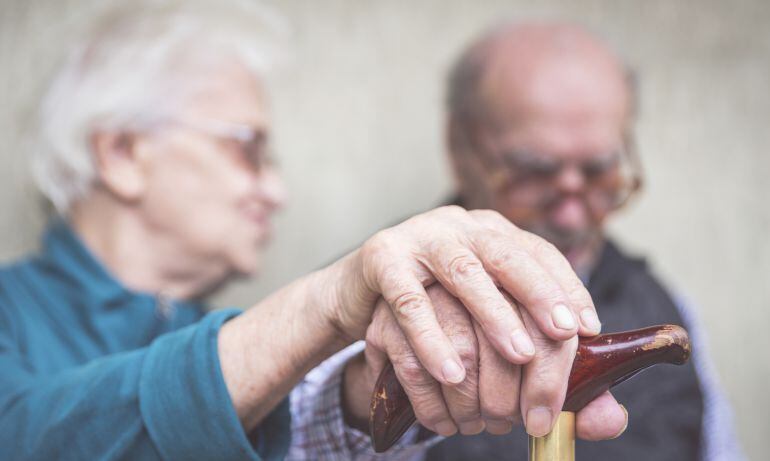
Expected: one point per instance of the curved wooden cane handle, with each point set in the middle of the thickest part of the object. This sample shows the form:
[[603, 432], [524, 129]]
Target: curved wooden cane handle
[[600, 363]]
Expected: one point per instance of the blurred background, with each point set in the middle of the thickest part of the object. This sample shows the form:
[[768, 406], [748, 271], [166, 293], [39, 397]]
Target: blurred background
[[358, 117]]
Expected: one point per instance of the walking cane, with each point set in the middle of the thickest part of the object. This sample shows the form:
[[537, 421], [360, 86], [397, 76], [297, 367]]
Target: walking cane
[[600, 363]]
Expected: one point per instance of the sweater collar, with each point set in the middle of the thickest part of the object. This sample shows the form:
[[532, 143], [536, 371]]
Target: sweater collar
[[64, 252]]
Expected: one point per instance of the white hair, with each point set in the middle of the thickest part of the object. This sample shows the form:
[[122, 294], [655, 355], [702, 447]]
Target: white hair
[[126, 72]]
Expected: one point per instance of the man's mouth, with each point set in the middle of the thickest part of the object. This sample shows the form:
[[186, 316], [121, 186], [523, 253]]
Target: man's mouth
[[566, 222], [569, 213]]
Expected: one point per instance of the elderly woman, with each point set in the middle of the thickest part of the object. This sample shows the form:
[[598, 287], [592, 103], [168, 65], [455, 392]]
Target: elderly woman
[[154, 153]]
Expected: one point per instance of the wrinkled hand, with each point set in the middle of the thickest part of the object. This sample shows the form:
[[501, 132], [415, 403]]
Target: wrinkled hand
[[495, 393], [470, 254]]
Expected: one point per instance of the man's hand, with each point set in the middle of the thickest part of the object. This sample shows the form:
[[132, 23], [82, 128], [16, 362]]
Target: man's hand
[[495, 393], [472, 255]]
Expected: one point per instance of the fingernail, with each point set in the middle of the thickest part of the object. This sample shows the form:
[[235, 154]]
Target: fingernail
[[590, 320], [562, 317], [625, 426], [453, 372], [521, 343], [445, 428], [472, 427], [539, 420], [497, 427]]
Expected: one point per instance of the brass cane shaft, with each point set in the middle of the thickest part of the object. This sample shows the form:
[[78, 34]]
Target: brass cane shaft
[[559, 444]]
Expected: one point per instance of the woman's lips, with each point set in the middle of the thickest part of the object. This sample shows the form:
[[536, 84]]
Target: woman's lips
[[261, 221]]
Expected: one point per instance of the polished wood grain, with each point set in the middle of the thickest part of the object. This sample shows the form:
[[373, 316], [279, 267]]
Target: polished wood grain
[[600, 363]]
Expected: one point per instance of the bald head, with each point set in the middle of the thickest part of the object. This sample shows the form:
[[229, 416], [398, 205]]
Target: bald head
[[538, 60], [538, 118]]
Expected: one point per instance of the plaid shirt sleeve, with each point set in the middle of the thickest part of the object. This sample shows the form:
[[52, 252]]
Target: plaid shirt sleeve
[[718, 441], [320, 433]]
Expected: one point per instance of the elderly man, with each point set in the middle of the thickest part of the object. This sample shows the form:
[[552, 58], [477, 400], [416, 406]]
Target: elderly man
[[540, 129], [154, 154]]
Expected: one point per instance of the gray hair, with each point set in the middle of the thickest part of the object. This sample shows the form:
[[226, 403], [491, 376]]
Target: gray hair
[[463, 99], [124, 72]]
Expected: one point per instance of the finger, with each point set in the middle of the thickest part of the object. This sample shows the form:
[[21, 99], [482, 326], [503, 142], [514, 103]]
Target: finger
[[462, 273], [376, 356], [423, 391], [603, 418], [557, 265], [544, 380], [462, 399], [415, 315], [498, 387], [511, 261], [580, 301]]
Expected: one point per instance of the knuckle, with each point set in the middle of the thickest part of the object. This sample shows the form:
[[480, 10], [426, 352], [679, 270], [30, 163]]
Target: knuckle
[[501, 258], [543, 294], [497, 317], [463, 404], [408, 305], [463, 267], [545, 347], [499, 399], [429, 411], [543, 248], [467, 349], [550, 381], [490, 218], [452, 211], [428, 404], [466, 416], [484, 213], [413, 374], [377, 245], [501, 315], [553, 350], [549, 386], [498, 408], [578, 292]]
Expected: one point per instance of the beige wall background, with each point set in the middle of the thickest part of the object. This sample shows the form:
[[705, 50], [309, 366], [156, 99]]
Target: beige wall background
[[358, 129]]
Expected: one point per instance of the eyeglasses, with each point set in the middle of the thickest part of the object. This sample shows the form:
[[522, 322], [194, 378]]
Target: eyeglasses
[[249, 143], [611, 179]]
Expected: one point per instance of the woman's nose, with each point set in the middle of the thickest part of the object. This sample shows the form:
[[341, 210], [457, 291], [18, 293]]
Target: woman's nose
[[271, 188]]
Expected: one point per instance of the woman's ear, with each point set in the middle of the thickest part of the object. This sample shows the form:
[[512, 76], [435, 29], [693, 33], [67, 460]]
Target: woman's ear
[[118, 164]]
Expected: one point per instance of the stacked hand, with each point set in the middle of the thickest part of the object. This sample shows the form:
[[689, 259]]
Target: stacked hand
[[480, 320]]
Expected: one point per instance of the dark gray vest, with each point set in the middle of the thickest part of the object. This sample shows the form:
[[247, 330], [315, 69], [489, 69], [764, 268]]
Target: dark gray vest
[[664, 403]]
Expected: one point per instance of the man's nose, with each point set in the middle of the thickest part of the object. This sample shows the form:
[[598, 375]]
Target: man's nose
[[570, 179]]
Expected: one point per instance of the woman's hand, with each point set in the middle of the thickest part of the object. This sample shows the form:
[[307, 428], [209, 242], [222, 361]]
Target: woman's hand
[[473, 255]]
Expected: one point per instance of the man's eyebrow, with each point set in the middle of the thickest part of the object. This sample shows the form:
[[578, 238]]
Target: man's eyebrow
[[526, 154]]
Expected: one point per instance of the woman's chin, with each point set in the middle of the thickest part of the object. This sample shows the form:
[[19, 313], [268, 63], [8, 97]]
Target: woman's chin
[[248, 262]]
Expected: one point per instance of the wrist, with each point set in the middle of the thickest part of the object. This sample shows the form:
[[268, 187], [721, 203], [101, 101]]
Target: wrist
[[259, 366], [348, 301], [322, 299]]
